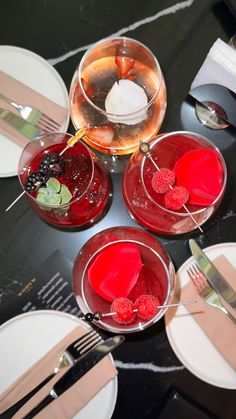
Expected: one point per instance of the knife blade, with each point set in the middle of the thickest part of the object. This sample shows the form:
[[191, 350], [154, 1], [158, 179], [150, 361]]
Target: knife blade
[[85, 363], [216, 280], [19, 124]]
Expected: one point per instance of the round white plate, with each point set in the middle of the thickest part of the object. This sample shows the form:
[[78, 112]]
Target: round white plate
[[36, 73], [188, 341], [27, 337]]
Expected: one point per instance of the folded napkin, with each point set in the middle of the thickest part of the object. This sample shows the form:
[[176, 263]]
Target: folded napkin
[[20, 93], [70, 402], [219, 329], [219, 67]]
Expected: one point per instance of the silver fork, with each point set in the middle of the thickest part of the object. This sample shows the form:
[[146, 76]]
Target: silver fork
[[34, 116], [68, 358], [206, 292]]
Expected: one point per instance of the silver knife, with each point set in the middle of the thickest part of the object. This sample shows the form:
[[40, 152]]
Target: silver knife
[[85, 363], [19, 124], [216, 280]]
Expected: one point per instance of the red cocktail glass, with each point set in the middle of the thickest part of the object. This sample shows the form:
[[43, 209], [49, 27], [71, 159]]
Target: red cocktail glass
[[83, 175], [168, 150], [106, 259]]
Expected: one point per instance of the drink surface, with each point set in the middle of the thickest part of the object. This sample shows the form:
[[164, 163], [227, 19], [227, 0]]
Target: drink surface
[[116, 138], [88, 183]]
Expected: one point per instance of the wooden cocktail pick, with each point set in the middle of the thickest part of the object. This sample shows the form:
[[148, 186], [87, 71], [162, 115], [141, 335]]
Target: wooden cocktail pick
[[146, 150], [70, 143]]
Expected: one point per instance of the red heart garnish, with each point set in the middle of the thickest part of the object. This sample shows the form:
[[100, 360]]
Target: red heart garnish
[[115, 270], [201, 173]]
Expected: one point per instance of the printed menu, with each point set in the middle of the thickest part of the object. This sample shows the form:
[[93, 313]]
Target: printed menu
[[49, 289]]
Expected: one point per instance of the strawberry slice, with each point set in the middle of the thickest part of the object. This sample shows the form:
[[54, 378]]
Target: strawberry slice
[[125, 65], [102, 135], [115, 270]]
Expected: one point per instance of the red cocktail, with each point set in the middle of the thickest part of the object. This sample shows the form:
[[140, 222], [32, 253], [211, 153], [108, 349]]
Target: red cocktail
[[67, 190], [120, 266], [197, 166]]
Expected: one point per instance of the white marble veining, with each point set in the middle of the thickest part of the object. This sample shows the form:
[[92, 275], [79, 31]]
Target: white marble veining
[[147, 366], [165, 12]]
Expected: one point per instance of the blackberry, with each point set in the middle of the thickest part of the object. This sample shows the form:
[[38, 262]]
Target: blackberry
[[44, 167], [32, 177], [42, 177], [54, 158], [29, 186], [46, 160]]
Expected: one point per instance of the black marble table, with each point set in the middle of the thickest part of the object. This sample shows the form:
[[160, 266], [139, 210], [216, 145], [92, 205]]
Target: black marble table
[[152, 381]]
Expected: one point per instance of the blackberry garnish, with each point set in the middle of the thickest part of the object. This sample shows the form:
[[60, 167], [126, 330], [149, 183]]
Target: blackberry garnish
[[30, 186], [54, 158], [44, 167]]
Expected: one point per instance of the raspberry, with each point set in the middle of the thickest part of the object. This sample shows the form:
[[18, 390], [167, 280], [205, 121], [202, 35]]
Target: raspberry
[[124, 309], [162, 179], [147, 306], [176, 198]]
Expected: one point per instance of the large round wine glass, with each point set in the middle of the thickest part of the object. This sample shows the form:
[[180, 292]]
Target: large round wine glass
[[118, 92]]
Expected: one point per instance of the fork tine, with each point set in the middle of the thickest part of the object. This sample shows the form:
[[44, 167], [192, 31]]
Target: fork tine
[[82, 338], [192, 276], [89, 344], [44, 126], [44, 122]]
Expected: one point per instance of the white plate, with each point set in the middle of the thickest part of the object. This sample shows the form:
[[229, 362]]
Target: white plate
[[27, 337], [36, 73], [188, 341]]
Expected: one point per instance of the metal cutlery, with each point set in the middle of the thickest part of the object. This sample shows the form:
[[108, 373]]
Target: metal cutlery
[[214, 277], [206, 292], [36, 117], [80, 368], [25, 128], [68, 358]]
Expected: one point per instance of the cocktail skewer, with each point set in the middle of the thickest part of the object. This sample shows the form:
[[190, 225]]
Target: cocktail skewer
[[97, 315], [146, 150], [70, 143]]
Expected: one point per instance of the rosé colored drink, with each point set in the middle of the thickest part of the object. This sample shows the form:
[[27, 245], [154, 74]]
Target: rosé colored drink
[[172, 151], [107, 268], [117, 60], [83, 175]]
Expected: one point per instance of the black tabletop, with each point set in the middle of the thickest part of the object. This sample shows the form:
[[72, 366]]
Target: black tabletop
[[152, 381]]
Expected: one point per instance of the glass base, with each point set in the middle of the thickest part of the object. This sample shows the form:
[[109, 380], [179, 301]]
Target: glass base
[[211, 115]]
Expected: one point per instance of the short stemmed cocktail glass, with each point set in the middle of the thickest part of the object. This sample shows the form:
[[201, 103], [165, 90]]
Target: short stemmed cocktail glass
[[123, 263], [119, 91], [69, 190], [199, 167]]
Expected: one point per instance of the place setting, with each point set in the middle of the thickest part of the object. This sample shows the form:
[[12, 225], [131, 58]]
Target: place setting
[[33, 99]]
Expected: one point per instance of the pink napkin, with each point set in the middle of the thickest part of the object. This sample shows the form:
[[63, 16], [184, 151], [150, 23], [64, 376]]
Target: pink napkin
[[20, 93], [70, 402], [219, 329]]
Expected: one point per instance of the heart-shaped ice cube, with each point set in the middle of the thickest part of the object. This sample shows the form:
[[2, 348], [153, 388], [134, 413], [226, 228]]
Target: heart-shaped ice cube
[[115, 270], [201, 173]]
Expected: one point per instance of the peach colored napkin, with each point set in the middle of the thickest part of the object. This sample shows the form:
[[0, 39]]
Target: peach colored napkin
[[70, 402], [218, 328], [23, 94]]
